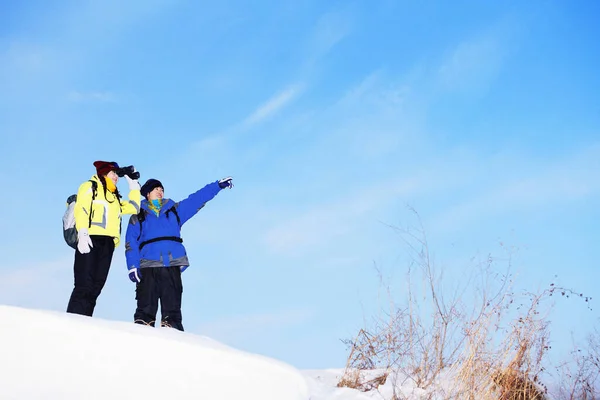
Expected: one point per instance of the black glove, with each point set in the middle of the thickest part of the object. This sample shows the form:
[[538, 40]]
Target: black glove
[[226, 183]]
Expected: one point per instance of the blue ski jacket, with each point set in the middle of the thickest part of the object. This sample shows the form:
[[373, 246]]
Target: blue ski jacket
[[155, 240]]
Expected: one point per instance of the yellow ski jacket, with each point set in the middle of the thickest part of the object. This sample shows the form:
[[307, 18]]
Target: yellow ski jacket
[[106, 210]]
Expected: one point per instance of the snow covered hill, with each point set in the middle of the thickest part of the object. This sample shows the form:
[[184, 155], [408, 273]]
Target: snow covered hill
[[52, 355]]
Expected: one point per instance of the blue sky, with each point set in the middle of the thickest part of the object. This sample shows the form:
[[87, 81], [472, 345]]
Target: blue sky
[[332, 117]]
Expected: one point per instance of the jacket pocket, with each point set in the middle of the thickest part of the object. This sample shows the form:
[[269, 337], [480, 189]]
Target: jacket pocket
[[99, 214]]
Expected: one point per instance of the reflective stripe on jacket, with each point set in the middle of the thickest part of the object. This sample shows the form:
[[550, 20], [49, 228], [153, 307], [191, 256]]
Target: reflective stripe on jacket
[[106, 210]]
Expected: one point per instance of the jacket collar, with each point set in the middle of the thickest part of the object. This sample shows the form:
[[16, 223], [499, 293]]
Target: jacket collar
[[167, 203]]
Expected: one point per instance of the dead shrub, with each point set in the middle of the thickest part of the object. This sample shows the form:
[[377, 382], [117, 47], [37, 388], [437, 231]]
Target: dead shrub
[[515, 385], [580, 376], [491, 338]]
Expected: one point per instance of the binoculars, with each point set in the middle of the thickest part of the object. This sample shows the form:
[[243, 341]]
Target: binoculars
[[129, 171]]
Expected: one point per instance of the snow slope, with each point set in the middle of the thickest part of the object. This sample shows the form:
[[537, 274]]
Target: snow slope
[[52, 355]]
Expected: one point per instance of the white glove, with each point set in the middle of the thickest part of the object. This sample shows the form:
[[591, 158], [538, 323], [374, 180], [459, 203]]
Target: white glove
[[84, 242], [133, 183]]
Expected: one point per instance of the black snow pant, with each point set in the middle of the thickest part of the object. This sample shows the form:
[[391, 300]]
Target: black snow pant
[[90, 271], [164, 284]]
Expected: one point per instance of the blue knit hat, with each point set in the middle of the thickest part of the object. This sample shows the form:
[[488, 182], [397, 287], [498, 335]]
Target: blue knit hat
[[150, 185]]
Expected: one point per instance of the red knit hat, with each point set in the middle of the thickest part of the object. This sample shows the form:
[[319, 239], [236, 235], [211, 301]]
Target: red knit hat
[[104, 167]]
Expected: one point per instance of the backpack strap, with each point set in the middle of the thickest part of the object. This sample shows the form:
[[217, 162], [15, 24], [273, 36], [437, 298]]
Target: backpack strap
[[142, 216], [157, 239], [94, 192], [174, 211]]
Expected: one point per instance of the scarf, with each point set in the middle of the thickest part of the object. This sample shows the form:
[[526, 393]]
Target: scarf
[[110, 185], [155, 205]]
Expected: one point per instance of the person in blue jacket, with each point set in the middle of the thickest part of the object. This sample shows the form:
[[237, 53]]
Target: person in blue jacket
[[154, 251]]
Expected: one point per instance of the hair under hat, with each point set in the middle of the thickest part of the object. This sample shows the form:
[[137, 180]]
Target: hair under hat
[[150, 185]]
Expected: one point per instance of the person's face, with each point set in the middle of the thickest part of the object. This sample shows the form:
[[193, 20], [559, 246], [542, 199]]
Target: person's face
[[156, 194], [113, 175]]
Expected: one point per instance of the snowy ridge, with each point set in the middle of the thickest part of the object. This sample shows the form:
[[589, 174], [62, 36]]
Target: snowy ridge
[[52, 355]]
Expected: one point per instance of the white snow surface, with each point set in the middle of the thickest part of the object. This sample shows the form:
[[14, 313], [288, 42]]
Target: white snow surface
[[52, 355]]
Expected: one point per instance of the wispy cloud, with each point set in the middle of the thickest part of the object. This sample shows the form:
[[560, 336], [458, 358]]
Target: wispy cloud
[[330, 29], [28, 69], [238, 327], [40, 285], [87, 97], [274, 104], [556, 183], [321, 225], [26, 57], [69, 40], [378, 128], [376, 90], [475, 62], [90, 19]]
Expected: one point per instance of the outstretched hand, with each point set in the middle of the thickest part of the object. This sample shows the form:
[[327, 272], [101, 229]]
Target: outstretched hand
[[226, 183]]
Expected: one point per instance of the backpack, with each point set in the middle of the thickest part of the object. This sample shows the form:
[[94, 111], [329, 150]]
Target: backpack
[[69, 230], [141, 216]]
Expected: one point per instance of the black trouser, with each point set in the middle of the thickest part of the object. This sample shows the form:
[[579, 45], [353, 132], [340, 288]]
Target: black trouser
[[164, 284], [90, 271]]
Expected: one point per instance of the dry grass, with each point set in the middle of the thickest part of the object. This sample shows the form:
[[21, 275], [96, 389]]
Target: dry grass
[[580, 377], [515, 385], [415, 339], [365, 355], [494, 344]]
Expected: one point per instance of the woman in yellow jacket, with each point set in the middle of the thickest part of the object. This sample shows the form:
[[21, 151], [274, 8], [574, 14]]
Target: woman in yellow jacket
[[97, 212]]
